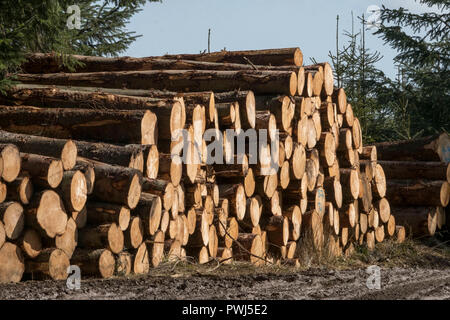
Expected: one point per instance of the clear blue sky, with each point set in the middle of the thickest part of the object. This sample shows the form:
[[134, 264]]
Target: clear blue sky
[[181, 26]]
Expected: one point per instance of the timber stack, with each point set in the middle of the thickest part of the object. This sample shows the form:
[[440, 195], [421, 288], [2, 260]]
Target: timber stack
[[126, 162], [418, 182]]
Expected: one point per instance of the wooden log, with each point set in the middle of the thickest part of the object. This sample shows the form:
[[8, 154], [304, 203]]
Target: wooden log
[[350, 184], [200, 235], [67, 242], [50, 264], [13, 218], [313, 229], [400, 234], [162, 188], [390, 226], [73, 190], [124, 264], [117, 184], [249, 247], [200, 254], [62, 149], [379, 183], [340, 98], [106, 236], [30, 243], [11, 162], [113, 126], [357, 135], [369, 153], [80, 218], [403, 170], [327, 149], [20, 190], [12, 264], [46, 213], [237, 199], [149, 209], [225, 255], [274, 57], [365, 194], [45, 172], [231, 234], [294, 216], [333, 189], [141, 263], [277, 228], [98, 262], [418, 221], [103, 213], [432, 148], [267, 82], [134, 234], [126, 156], [87, 167], [42, 63], [155, 248], [418, 193], [246, 101]]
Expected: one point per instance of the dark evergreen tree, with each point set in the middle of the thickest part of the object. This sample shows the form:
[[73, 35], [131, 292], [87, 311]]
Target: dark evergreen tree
[[423, 45], [41, 26]]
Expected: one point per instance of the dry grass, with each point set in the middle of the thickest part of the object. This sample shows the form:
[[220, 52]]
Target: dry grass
[[428, 253]]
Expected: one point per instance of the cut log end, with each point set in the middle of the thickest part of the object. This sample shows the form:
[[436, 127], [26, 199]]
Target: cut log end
[[69, 155], [11, 162]]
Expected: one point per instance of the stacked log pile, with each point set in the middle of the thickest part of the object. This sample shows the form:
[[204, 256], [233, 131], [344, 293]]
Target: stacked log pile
[[418, 182], [110, 167]]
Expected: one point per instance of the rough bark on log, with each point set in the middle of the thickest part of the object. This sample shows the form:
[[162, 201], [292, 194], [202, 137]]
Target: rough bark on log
[[113, 126], [266, 82], [62, 149], [117, 184], [98, 262], [418, 193], [432, 148]]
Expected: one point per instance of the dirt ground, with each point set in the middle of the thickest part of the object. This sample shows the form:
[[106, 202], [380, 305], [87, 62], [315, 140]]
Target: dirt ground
[[408, 271]]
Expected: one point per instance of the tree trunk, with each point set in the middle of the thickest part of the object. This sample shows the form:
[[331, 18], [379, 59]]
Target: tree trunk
[[249, 247], [126, 156], [12, 216], [98, 262], [67, 242], [106, 236], [418, 193], [415, 170], [246, 101], [30, 243], [266, 82], [432, 148], [56, 148], [149, 210], [134, 234], [20, 190], [117, 184], [99, 213], [46, 214], [50, 264], [418, 221], [113, 126], [11, 165], [11, 263]]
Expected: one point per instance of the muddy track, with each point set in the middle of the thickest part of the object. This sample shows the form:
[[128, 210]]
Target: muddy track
[[396, 283]]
